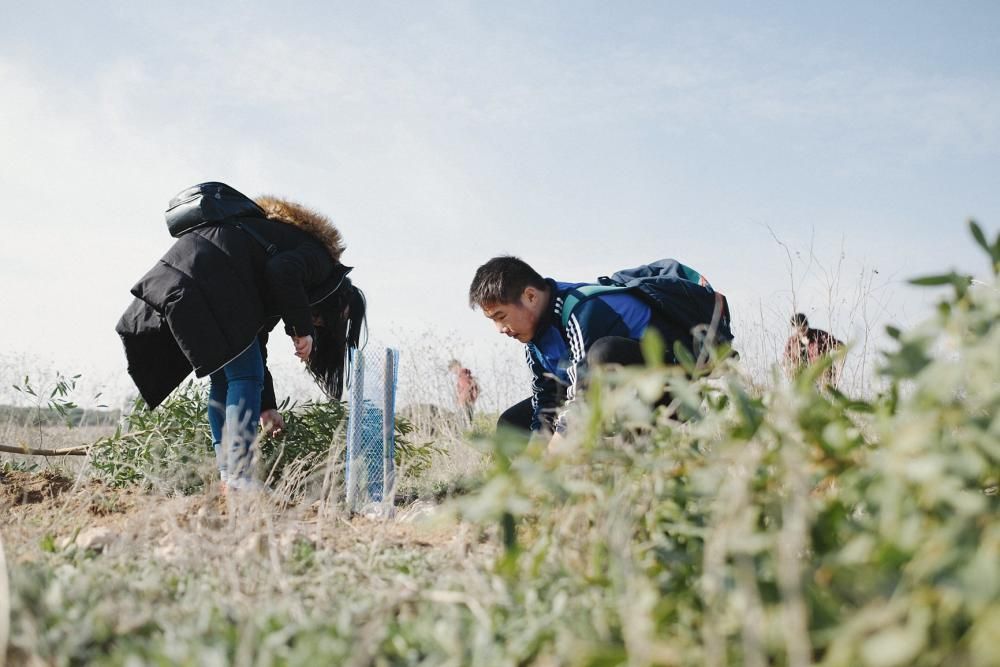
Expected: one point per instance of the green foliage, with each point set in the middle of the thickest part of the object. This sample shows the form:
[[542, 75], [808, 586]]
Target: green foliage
[[162, 447], [53, 404], [313, 428], [55, 400], [170, 447], [413, 457], [992, 249], [8, 466]]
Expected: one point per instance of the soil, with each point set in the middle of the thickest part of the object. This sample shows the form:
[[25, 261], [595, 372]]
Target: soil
[[41, 507], [24, 488]]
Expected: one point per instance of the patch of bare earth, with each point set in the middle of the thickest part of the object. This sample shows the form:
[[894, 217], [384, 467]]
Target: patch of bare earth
[[47, 508], [24, 488]]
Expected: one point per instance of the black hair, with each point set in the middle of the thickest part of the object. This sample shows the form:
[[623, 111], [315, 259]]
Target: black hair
[[502, 280], [800, 320], [341, 320]]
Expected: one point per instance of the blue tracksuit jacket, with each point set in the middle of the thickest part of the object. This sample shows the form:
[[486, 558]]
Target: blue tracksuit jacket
[[557, 355]]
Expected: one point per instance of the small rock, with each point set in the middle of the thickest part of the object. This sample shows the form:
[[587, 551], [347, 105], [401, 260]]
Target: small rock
[[417, 511], [97, 538]]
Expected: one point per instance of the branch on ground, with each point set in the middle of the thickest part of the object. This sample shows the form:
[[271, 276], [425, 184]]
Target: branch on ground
[[79, 450]]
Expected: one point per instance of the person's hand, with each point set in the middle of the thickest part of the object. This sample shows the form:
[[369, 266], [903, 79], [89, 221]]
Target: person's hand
[[303, 346], [272, 422]]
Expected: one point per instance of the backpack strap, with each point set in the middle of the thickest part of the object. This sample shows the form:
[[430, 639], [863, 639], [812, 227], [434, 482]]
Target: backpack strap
[[269, 248], [582, 293]]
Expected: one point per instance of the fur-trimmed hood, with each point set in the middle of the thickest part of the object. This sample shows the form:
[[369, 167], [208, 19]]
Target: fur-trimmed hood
[[306, 219]]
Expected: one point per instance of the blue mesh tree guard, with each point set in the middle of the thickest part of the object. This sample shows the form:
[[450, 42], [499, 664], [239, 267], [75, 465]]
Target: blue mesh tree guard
[[371, 427]]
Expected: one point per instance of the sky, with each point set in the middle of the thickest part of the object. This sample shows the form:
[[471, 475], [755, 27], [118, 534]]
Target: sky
[[803, 156]]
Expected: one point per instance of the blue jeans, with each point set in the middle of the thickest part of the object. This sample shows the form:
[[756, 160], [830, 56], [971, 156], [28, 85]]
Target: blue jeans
[[233, 412]]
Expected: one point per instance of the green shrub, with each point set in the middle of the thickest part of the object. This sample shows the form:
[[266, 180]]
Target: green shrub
[[162, 447], [312, 428], [170, 448]]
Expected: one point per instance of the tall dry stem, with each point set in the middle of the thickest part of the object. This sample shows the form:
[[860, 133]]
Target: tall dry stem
[[4, 606]]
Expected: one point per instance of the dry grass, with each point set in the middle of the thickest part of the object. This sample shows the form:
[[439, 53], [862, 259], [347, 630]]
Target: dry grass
[[209, 578]]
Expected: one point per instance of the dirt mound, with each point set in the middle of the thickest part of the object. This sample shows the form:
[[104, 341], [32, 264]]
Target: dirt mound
[[24, 488]]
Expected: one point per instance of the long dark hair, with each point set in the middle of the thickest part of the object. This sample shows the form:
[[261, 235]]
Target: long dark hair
[[340, 322]]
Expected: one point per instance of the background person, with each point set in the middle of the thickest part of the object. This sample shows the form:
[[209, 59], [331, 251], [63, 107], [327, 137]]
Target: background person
[[466, 389], [806, 346], [237, 267]]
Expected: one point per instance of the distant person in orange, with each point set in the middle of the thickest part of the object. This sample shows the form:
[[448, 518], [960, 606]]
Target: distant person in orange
[[807, 346], [466, 389]]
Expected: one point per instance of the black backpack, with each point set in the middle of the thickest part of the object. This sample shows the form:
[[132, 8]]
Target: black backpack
[[213, 203], [677, 293]]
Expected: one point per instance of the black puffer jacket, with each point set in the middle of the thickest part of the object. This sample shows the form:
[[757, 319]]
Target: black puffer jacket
[[216, 289]]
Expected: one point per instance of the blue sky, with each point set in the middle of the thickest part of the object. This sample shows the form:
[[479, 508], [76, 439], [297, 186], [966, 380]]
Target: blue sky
[[582, 136]]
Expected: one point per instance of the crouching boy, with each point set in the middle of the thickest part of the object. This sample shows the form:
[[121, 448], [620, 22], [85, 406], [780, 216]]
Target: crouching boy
[[567, 328]]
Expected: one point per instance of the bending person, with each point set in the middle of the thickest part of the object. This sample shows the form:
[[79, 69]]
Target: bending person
[[567, 328], [807, 346], [207, 306]]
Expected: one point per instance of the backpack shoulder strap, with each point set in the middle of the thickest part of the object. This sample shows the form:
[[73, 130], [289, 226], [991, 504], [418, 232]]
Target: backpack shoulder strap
[[579, 294], [269, 248]]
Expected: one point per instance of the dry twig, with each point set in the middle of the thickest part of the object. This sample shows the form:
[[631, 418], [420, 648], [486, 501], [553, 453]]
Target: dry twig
[[79, 450]]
